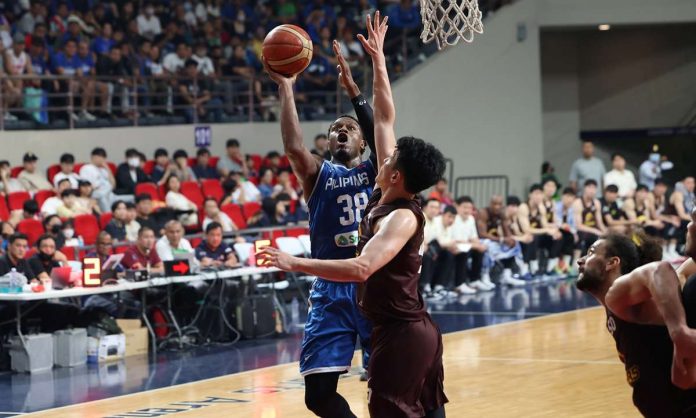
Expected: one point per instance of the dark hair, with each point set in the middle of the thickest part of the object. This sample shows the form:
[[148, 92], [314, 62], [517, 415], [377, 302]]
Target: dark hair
[[143, 229], [47, 220], [30, 206], [642, 187], [142, 197], [212, 226], [587, 141], [130, 205], [99, 152], [116, 204], [535, 187], [569, 190], [319, 136], [450, 209], [68, 192], [166, 181], [67, 158], [427, 201], [660, 182], [341, 117], [43, 238], [190, 62], [590, 182], [132, 152], [202, 151], [273, 154], [549, 180], [4, 162], [17, 235], [63, 180], [633, 251], [81, 183], [421, 164], [464, 199], [612, 188], [229, 185], [617, 154], [232, 142], [545, 167], [263, 172], [513, 201], [179, 154], [283, 197], [161, 152]]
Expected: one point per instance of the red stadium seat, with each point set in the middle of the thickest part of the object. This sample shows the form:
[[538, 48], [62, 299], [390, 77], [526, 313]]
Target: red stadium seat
[[70, 253], [104, 219], [32, 228], [51, 172], [251, 209], [192, 191], [149, 166], [254, 180], [77, 167], [121, 249], [30, 252], [191, 161], [212, 188], [284, 162], [87, 227], [293, 206], [112, 167], [257, 159], [296, 232], [213, 160], [195, 242], [234, 211], [293, 180], [16, 200], [149, 189], [14, 171], [42, 195], [4, 211]]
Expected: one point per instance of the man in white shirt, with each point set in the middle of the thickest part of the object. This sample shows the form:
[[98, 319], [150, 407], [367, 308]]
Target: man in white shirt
[[205, 64], [32, 180], [251, 192], [620, 177], [148, 23], [51, 205], [442, 248], [97, 172], [173, 242], [465, 234], [67, 166], [214, 214], [431, 209], [174, 61]]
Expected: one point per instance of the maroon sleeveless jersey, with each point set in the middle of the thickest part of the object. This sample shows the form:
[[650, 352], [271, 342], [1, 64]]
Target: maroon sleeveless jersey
[[391, 293]]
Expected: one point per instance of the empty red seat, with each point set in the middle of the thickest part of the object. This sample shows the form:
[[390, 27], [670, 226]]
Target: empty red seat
[[87, 227], [51, 172], [251, 209], [234, 211], [212, 188], [149, 189], [195, 242], [4, 211], [104, 219], [16, 200], [213, 160], [42, 195], [14, 171], [32, 228], [192, 191]]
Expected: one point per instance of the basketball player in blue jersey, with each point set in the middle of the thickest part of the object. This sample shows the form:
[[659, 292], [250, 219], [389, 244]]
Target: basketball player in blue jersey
[[337, 193]]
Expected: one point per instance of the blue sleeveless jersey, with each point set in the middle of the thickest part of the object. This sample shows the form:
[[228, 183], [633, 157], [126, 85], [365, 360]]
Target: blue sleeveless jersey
[[336, 206]]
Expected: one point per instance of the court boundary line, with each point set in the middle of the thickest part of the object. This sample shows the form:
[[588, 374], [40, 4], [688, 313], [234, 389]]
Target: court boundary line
[[494, 313], [574, 311]]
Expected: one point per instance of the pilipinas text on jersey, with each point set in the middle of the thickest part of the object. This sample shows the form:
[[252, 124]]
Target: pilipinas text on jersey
[[336, 206]]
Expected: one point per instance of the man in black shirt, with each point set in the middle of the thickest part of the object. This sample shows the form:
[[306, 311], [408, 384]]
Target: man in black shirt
[[14, 259], [129, 173], [202, 169], [213, 252], [143, 207], [113, 65], [46, 258]]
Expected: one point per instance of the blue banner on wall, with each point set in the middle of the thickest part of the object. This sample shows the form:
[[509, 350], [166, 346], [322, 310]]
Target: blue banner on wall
[[203, 136]]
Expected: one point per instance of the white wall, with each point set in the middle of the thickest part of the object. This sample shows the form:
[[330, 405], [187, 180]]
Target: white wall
[[566, 13]]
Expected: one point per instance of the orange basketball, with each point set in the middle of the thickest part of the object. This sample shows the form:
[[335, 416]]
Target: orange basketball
[[287, 49]]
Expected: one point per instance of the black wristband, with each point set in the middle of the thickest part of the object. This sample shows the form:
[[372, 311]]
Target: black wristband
[[358, 100]]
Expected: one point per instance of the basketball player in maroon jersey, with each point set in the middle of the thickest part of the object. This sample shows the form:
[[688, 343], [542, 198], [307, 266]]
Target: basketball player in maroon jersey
[[405, 373]]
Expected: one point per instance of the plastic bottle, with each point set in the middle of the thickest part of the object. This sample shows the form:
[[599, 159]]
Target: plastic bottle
[[16, 284]]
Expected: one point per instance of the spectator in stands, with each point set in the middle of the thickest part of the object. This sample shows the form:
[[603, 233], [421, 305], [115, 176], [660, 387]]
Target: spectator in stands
[[174, 61], [132, 225], [650, 170], [273, 161], [586, 168], [148, 23], [614, 216], [130, 173], [405, 15], [265, 185], [532, 220], [51, 205], [17, 63], [565, 221], [205, 64], [180, 203], [6, 229], [30, 210], [445, 246], [162, 168], [68, 234], [142, 254], [37, 14], [85, 57], [119, 73], [180, 167], [214, 214], [14, 258], [173, 242], [67, 63], [682, 201], [321, 146], [213, 251], [234, 161], [99, 175], [588, 216], [548, 172], [102, 44], [431, 210], [31, 179], [320, 76], [624, 179], [117, 225], [59, 22], [85, 197], [46, 258], [441, 193], [642, 212], [470, 250], [53, 225], [284, 185], [67, 167], [273, 212], [194, 95], [202, 170], [70, 207], [7, 183], [143, 208]]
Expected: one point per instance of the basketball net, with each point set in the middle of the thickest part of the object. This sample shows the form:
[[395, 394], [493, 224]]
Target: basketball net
[[448, 21]]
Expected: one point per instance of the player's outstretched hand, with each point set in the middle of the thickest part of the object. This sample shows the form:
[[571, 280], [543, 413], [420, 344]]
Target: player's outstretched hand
[[277, 77], [345, 76], [273, 257], [684, 359], [376, 31]]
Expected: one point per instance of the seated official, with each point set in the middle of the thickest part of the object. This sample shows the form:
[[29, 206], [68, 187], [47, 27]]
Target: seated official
[[103, 249], [14, 258], [142, 255], [173, 242], [46, 258], [213, 252]]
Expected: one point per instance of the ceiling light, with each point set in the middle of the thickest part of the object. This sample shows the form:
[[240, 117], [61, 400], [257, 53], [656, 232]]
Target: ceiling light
[[604, 27]]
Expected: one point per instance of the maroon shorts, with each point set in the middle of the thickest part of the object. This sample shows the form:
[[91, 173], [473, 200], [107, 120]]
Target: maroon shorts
[[405, 374]]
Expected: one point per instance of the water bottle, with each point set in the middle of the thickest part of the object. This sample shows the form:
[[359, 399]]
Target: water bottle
[[294, 312], [16, 284]]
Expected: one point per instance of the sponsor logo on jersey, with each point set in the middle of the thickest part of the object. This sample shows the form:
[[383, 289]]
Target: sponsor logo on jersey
[[347, 239], [352, 180]]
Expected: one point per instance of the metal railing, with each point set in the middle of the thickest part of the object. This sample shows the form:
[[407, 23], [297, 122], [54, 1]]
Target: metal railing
[[481, 188]]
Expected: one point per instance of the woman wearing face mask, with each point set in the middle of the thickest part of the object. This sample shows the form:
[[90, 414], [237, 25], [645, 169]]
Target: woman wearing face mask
[[129, 173], [68, 232], [53, 225]]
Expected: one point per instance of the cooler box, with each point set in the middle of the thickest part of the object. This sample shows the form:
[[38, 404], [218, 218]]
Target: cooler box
[[70, 347], [36, 357]]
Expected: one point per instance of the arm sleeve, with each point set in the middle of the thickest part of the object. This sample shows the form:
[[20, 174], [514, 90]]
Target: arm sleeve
[[363, 111]]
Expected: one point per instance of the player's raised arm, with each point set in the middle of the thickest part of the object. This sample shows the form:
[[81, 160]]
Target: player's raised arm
[[384, 112], [393, 233], [304, 164], [363, 110]]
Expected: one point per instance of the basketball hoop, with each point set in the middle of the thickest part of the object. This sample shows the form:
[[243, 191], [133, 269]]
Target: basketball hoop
[[448, 21]]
